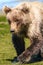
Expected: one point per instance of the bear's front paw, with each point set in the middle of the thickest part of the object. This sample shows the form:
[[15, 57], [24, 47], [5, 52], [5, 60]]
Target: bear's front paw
[[23, 58]]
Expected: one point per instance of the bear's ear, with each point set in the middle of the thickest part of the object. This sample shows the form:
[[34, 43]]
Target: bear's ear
[[6, 9]]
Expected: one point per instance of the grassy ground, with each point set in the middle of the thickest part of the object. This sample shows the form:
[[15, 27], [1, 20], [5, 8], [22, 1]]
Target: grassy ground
[[7, 50]]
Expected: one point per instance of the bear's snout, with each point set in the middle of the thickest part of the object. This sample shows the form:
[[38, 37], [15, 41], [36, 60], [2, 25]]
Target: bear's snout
[[11, 31]]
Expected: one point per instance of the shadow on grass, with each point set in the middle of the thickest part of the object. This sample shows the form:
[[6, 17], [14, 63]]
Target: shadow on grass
[[36, 58]]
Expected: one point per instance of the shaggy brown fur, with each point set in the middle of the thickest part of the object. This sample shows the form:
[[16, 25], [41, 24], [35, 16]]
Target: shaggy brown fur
[[27, 19]]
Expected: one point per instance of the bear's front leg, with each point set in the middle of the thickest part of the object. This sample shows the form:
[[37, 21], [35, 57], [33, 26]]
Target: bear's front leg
[[32, 50], [25, 56]]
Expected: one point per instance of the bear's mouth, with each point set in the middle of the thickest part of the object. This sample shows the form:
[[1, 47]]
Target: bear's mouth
[[23, 32]]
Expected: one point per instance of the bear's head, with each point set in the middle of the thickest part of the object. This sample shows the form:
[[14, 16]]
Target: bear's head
[[18, 19]]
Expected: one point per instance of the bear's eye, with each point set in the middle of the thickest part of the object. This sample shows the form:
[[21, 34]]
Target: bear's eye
[[17, 20], [9, 21]]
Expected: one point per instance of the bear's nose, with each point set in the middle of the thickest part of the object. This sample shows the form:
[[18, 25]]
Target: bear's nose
[[11, 31]]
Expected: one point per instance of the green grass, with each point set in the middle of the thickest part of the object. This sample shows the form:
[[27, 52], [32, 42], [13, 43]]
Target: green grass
[[7, 50], [2, 18]]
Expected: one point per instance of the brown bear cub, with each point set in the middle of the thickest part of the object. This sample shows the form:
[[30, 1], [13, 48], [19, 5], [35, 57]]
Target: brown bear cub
[[27, 19]]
